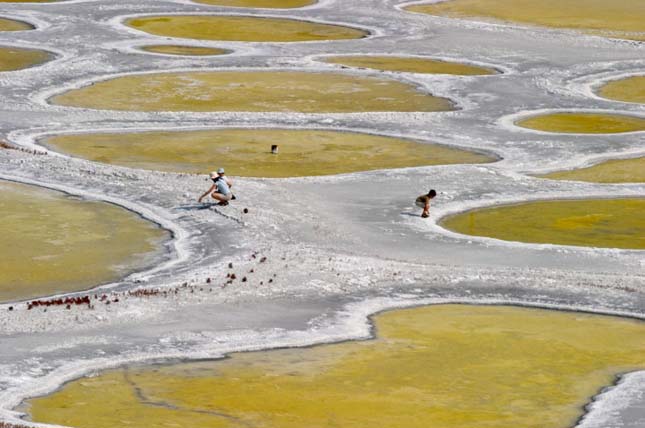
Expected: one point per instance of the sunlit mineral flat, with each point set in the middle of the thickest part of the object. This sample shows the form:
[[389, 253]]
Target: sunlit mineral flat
[[609, 223], [253, 91], [247, 152]]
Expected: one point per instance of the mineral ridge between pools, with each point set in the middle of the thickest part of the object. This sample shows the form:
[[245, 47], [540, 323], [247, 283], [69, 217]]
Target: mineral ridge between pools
[[618, 18], [411, 65], [253, 91], [53, 243], [630, 89], [248, 151], [242, 28], [269, 4], [444, 366], [610, 223], [584, 123], [611, 171]]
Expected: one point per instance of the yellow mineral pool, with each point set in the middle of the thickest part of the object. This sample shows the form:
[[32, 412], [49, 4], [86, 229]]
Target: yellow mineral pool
[[584, 123], [450, 366], [610, 223], [54, 243], [253, 91], [7, 24], [182, 50], [629, 89], [611, 171], [247, 152], [617, 18], [411, 65], [242, 28], [13, 58]]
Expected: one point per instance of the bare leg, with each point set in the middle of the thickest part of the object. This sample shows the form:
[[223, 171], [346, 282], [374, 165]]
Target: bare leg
[[223, 199]]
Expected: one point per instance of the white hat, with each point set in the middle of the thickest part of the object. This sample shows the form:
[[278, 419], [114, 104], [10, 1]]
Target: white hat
[[220, 171], [213, 174]]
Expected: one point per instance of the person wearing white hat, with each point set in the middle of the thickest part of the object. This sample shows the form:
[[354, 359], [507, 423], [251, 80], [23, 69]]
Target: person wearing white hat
[[222, 176], [221, 188]]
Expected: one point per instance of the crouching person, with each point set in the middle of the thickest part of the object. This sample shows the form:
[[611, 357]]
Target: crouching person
[[423, 201], [220, 190]]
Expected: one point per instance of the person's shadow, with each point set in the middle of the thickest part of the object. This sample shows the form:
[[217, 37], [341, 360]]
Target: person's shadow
[[409, 214], [196, 206]]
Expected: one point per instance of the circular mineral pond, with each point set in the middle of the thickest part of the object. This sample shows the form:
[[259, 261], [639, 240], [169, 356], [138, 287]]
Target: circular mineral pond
[[7, 24], [242, 28], [612, 171], [252, 91], [184, 50], [584, 123], [609, 223], [247, 152], [618, 18], [449, 366], [53, 243], [265, 4], [12, 59], [630, 89], [410, 65]]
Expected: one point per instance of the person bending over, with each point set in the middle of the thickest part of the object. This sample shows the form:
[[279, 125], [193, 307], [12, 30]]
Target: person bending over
[[220, 190], [423, 201]]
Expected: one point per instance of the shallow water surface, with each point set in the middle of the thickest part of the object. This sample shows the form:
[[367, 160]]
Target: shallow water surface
[[612, 171], [630, 89], [183, 50], [242, 28], [410, 65], [252, 91], [611, 223], [617, 18], [53, 243], [584, 123], [247, 152], [12, 59], [269, 4], [7, 24], [449, 366]]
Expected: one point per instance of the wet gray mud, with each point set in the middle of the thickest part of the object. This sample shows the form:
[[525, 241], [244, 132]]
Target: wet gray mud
[[313, 257]]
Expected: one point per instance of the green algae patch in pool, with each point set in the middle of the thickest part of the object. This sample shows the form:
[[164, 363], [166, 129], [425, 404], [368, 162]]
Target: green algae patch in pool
[[617, 18], [608, 223], [7, 24], [253, 91], [411, 65], [12, 58], [247, 152], [630, 89], [53, 243], [265, 4], [184, 50], [584, 123], [451, 366], [612, 171], [242, 28]]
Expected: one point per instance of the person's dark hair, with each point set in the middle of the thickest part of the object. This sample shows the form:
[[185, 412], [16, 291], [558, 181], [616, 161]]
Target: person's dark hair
[[432, 193]]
